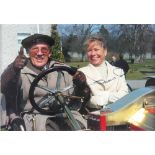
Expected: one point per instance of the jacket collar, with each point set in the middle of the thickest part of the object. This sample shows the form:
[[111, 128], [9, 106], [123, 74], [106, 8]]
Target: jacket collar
[[30, 69]]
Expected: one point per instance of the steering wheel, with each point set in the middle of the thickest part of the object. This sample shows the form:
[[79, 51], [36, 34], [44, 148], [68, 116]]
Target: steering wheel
[[50, 103]]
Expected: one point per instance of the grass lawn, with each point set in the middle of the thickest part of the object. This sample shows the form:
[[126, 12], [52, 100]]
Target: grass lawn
[[134, 72]]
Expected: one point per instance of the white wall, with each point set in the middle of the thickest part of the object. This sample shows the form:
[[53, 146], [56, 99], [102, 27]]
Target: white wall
[[9, 40]]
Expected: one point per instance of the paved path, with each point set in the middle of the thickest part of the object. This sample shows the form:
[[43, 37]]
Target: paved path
[[136, 83]]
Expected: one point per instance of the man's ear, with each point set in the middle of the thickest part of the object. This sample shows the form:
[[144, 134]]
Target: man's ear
[[50, 54]]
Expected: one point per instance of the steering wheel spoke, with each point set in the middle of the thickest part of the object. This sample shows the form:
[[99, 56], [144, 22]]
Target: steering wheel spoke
[[45, 101], [51, 91]]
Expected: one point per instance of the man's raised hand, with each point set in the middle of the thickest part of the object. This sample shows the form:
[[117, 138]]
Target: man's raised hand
[[20, 61]]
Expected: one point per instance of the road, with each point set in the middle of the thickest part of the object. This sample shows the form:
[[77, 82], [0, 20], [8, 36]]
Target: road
[[136, 83]]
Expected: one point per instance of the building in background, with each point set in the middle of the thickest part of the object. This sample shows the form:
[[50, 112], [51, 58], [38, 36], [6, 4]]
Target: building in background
[[11, 36]]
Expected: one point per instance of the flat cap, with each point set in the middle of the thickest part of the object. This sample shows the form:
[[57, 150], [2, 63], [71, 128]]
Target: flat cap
[[36, 39]]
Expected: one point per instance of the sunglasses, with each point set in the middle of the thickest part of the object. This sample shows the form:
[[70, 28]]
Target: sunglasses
[[34, 51]]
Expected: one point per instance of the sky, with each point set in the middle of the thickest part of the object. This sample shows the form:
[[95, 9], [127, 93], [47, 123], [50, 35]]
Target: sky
[[63, 28]]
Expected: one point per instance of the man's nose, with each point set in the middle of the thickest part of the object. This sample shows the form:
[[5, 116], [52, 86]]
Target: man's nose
[[39, 52]]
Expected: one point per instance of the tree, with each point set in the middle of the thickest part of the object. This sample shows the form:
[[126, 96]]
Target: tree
[[82, 33], [74, 37], [134, 38], [109, 37], [67, 46], [153, 44], [104, 32], [57, 53]]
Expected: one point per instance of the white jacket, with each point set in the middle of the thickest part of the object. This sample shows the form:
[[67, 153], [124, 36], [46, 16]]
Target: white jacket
[[108, 90]]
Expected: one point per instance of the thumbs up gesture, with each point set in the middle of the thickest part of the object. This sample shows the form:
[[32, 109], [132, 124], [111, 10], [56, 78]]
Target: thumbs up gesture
[[20, 60]]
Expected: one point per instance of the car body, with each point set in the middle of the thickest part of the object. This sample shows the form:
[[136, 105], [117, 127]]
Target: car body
[[135, 111]]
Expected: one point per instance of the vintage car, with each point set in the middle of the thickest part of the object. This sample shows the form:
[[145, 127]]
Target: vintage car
[[135, 111]]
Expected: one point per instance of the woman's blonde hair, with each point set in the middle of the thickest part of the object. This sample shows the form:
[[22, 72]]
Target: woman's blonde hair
[[98, 39]]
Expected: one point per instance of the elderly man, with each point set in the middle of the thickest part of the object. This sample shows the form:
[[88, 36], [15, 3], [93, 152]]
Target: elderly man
[[17, 78], [107, 83]]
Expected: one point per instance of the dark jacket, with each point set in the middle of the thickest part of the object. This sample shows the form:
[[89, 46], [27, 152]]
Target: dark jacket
[[123, 65]]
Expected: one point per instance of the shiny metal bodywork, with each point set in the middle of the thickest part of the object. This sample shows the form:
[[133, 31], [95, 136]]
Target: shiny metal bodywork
[[133, 109]]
